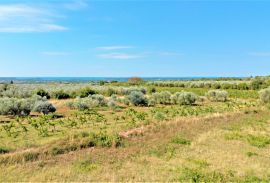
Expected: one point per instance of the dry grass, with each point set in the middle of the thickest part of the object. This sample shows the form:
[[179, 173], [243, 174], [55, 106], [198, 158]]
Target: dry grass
[[152, 156]]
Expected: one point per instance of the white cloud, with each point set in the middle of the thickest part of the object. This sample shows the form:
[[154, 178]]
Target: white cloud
[[25, 18], [122, 56], [55, 53], [260, 54], [114, 47]]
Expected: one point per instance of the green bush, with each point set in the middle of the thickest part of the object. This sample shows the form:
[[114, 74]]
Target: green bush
[[137, 98], [162, 97], [217, 95], [86, 92], [60, 95], [265, 95], [184, 98], [99, 98], [42, 93], [83, 103], [3, 150], [44, 107], [112, 104], [13, 106]]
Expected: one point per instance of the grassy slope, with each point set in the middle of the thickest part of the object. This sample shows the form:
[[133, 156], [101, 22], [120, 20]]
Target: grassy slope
[[211, 148]]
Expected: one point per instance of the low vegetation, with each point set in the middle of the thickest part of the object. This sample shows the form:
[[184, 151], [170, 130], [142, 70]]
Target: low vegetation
[[175, 131]]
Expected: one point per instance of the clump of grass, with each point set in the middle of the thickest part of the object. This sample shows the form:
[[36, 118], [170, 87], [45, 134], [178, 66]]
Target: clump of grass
[[4, 150], [234, 136], [198, 175], [254, 140], [87, 165], [20, 158], [259, 140], [159, 116], [199, 162], [85, 140], [250, 154], [179, 139]]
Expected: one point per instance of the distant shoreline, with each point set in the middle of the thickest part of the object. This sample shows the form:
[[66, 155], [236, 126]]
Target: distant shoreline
[[93, 79]]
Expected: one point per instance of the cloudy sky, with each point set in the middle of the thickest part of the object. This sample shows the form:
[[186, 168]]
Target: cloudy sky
[[134, 38]]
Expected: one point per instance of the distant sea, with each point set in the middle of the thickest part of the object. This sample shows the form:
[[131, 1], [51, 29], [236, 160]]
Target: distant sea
[[88, 79]]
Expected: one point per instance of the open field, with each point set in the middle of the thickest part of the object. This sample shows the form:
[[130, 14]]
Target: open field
[[133, 132]]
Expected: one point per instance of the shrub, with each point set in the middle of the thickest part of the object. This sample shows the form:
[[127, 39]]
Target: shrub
[[265, 95], [151, 102], [42, 93], [184, 98], [44, 107], [100, 99], [85, 92], [83, 104], [4, 150], [112, 104], [110, 92], [159, 116], [137, 98], [217, 95], [162, 97], [13, 106], [60, 95], [152, 90]]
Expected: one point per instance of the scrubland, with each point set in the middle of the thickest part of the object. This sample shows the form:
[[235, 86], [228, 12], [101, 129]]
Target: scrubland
[[180, 131]]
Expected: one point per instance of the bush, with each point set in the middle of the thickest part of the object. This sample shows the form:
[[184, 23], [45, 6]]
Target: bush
[[13, 106], [86, 92], [83, 104], [184, 98], [100, 99], [42, 93], [265, 95], [137, 98], [217, 95], [44, 107], [60, 95], [112, 104], [162, 97], [159, 116], [152, 90]]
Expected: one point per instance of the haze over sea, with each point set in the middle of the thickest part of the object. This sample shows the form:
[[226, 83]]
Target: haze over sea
[[89, 79]]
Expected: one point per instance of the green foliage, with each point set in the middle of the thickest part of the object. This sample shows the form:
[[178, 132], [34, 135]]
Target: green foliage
[[265, 95], [60, 95], [44, 107], [13, 106], [99, 98], [87, 165], [179, 139], [86, 92], [198, 175], [112, 104], [162, 97], [217, 95], [259, 140], [137, 98], [184, 98], [42, 93], [4, 150], [159, 116]]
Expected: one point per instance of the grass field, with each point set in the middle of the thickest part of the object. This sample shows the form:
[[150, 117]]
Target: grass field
[[206, 142]]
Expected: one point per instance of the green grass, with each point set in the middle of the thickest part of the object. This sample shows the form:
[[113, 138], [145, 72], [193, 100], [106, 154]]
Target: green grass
[[206, 142]]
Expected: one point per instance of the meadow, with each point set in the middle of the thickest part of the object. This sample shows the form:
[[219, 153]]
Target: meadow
[[179, 131]]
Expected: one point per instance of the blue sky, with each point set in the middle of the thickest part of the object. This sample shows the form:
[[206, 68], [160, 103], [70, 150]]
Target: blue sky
[[134, 38]]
